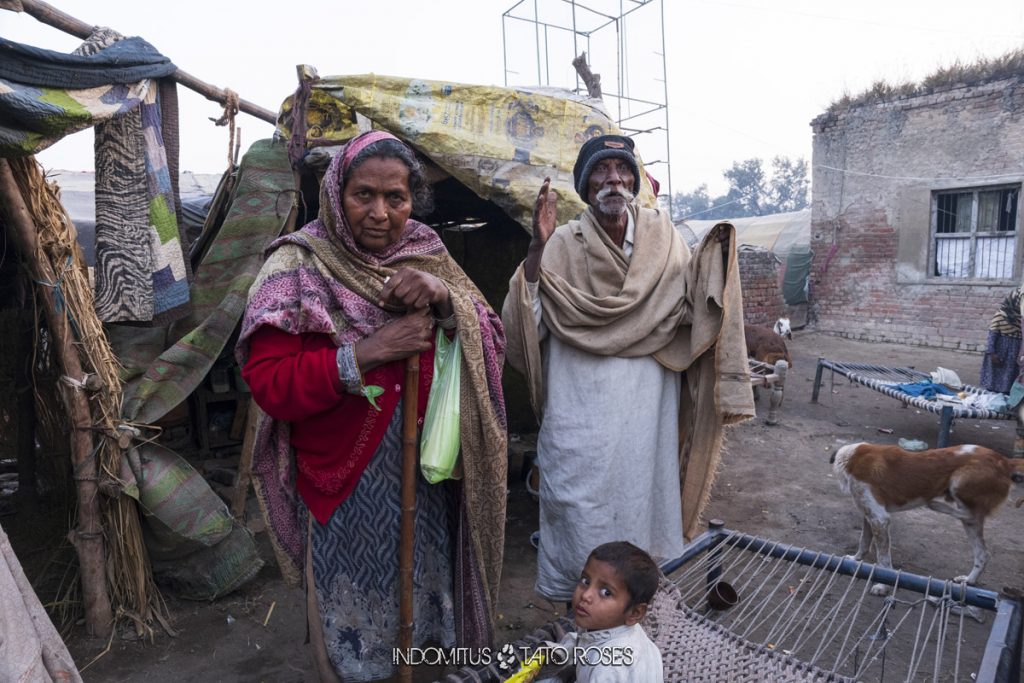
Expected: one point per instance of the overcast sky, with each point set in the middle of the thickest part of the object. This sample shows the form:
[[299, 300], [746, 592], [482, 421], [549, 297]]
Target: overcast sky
[[744, 77]]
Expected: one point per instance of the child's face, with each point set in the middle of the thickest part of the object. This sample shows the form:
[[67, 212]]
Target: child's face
[[601, 599]]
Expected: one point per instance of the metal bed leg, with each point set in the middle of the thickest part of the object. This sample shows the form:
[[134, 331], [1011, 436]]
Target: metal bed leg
[[1001, 660], [778, 387], [945, 426], [817, 381], [715, 572]]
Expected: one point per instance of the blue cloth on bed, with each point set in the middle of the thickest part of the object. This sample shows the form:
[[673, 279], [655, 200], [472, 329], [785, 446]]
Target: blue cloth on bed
[[926, 389]]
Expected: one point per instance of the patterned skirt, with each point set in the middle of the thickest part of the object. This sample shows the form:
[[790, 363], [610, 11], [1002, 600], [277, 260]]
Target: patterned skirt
[[999, 366], [355, 568]]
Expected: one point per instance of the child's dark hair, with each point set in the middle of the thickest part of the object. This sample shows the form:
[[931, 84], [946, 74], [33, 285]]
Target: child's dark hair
[[636, 568]]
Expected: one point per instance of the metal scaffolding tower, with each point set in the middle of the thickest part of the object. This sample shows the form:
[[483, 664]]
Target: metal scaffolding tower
[[540, 38]]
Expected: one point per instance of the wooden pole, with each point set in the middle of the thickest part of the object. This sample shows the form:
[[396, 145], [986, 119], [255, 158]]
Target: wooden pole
[[410, 408], [50, 15], [87, 537], [244, 477]]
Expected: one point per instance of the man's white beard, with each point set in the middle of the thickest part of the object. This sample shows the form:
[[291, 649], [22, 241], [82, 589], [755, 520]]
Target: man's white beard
[[617, 206]]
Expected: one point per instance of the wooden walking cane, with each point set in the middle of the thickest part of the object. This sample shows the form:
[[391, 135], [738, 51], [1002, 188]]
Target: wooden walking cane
[[410, 409]]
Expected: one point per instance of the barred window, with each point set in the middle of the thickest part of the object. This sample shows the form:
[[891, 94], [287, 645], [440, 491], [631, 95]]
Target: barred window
[[975, 233]]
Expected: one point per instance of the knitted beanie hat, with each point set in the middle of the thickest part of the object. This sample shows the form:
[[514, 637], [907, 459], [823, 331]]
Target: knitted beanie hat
[[603, 147]]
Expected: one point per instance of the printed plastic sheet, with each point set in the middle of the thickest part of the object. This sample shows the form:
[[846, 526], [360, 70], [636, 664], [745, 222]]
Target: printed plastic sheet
[[499, 142]]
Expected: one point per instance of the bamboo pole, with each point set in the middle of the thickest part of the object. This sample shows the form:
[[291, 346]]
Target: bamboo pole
[[87, 537], [410, 408], [50, 15]]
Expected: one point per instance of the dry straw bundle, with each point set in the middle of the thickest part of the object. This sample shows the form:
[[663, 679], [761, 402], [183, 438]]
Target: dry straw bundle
[[129, 577]]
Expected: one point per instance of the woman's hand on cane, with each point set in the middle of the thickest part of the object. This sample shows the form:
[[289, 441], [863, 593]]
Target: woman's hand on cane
[[415, 289], [401, 338]]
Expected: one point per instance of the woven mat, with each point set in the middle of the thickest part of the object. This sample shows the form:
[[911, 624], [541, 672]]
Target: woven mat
[[695, 648]]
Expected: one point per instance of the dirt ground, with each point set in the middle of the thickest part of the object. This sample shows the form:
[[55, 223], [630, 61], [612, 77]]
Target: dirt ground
[[774, 481]]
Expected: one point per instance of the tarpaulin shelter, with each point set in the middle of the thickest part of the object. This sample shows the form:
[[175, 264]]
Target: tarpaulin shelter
[[781, 233], [787, 235], [500, 143]]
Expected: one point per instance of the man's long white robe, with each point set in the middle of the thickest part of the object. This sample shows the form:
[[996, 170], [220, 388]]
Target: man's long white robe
[[608, 452]]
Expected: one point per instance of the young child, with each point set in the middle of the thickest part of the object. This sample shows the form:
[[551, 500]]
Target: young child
[[609, 602]]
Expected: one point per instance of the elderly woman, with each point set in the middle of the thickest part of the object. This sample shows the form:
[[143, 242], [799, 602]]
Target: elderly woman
[[339, 306]]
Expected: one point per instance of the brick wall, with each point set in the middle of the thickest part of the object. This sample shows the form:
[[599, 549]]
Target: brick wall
[[871, 225], [760, 278]]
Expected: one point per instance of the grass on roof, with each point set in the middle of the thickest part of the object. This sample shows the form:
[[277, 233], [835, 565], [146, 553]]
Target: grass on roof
[[985, 70]]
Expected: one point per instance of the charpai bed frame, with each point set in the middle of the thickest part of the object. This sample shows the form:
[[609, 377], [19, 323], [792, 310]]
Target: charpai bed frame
[[883, 380], [736, 607]]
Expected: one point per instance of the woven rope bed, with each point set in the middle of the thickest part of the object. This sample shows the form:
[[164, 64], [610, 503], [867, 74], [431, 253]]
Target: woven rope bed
[[803, 615], [882, 379], [694, 648]]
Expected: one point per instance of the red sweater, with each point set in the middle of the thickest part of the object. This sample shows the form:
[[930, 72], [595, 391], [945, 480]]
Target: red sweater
[[294, 378]]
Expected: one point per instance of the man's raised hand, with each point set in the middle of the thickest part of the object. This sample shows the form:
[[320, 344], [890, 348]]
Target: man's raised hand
[[545, 220], [545, 213]]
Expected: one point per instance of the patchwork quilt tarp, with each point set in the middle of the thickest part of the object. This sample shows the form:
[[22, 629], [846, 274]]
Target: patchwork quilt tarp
[[46, 95], [117, 85]]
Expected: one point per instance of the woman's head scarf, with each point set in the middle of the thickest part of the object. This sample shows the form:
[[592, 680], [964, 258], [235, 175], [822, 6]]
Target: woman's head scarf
[[417, 238]]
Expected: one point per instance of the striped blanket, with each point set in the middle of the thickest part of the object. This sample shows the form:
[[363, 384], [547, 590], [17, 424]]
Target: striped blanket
[[142, 274]]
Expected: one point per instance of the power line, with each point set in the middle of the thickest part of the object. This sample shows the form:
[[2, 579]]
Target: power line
[[717, 206], [995, 176]]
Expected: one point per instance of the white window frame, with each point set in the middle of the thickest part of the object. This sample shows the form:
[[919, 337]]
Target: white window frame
[[935, 238]]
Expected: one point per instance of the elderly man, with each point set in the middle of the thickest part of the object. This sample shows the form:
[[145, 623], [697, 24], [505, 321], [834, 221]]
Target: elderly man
[[630, 379]]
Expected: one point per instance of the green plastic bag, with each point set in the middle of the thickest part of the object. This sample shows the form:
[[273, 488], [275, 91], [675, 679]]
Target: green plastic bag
[[439, 444]]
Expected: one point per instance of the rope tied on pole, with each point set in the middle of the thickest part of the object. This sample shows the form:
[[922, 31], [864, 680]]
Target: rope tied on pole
[[79, 384], [58, 296], [228, 119]]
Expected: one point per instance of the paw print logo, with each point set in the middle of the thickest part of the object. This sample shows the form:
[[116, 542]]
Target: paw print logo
[[506, 657]]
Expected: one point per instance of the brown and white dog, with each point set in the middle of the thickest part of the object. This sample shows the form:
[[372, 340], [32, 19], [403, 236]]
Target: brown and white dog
[[766, 345], [966, 482]]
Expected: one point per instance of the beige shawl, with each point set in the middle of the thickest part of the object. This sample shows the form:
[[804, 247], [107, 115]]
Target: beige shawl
[[686, 311]]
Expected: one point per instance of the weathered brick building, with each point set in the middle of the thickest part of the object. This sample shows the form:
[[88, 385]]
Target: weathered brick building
[[915, 225], [760, 277]]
